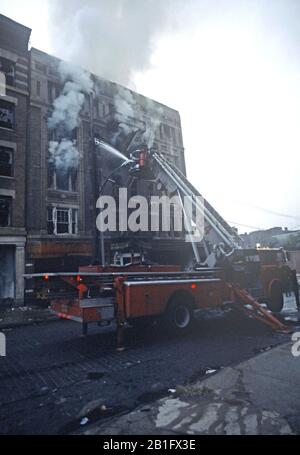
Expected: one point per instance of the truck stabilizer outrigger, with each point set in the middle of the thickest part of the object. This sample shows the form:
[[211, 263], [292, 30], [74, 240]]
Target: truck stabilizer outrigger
[[251, 280]]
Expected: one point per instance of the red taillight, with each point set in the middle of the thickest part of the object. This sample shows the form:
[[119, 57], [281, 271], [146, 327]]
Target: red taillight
[[142, 158], [193, 286], [46, 277], [78, 278]]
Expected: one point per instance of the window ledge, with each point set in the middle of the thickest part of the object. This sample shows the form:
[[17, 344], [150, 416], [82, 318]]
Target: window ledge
[[6, 177], [12, 130], [57, 236], [63, 191]]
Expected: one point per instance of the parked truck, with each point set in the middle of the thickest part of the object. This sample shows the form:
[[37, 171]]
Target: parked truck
[[252, 281]]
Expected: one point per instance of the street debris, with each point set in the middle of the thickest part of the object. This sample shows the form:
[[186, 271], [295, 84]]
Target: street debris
[[210, 371], [84, 421]]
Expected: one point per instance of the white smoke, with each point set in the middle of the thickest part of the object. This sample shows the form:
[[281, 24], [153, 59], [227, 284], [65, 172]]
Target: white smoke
[[112, 38], [65, 116], [129, 111], [64, 154]]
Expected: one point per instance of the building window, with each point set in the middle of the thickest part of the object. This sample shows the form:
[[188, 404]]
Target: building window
[[40, 67], [6, 162], [38, 88], [99, 109], [62, 179], [96, 108], [5, 211], [62, 221], [53, 91], [7, 114], [167, 132], [86, 104], [9, 69]]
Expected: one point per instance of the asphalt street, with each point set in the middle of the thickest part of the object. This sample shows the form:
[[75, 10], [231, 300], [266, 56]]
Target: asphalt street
[[53, 380]]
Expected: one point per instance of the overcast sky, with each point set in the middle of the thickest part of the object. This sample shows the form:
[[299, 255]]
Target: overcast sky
[[232, 69]]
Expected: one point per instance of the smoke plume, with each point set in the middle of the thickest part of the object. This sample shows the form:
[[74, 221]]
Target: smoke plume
[[129, 112], [112, 38], [65, 116]]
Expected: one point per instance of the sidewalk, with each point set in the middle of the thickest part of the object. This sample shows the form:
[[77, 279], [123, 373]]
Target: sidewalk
[[258, 396]]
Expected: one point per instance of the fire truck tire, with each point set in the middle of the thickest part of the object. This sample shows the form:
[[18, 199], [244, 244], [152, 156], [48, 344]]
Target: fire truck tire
[[275, 302], [179, 315]]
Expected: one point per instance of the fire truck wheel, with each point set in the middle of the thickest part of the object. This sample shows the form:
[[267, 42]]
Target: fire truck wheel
[[179, 316], [275, 303]]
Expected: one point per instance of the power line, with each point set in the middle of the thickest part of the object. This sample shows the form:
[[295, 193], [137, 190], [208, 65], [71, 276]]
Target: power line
[[246, 225], [272, 212]]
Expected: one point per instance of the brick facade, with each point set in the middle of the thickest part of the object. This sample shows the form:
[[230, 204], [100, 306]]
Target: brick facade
[[34, 196]]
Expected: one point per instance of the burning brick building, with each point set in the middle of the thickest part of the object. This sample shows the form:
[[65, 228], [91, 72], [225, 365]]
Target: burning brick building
[[51, 168]]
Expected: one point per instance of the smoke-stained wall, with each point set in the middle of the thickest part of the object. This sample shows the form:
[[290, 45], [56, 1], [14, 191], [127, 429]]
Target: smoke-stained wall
[[69, 107]]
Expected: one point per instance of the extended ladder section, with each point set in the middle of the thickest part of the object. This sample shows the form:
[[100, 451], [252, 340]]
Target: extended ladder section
[[245, 303], [216, 228]]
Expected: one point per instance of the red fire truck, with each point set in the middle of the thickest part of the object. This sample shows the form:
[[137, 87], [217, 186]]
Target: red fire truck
[[224, 273]]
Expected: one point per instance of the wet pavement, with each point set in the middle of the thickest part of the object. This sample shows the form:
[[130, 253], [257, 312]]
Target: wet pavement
[[52, 378], [259, 396]]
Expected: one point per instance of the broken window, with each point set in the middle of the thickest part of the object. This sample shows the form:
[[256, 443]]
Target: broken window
[[62, 221], [62, 179], [5, 211], [7, 114], [6, 160], [8, 68]]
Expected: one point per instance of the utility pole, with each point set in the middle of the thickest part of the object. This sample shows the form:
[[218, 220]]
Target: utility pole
[[98, 179]]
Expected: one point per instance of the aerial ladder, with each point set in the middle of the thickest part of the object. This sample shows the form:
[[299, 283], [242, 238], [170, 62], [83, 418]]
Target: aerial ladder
[[106, 293], [218, 238]]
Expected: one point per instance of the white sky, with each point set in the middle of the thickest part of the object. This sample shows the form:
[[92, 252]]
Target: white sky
[[236, 81]]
